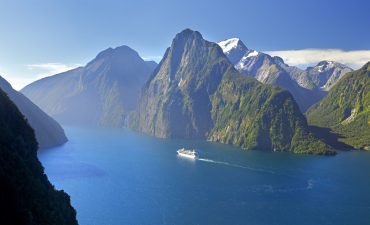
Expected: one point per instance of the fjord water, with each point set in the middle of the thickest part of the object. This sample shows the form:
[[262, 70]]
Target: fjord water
[[116, 176]]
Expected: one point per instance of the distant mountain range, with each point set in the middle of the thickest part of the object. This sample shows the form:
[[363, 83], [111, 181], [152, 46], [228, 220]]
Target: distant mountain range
[[48, 132], [200, 90], [307, 86], [346, 109], [101, 93], [26, 195], [221, 92], [195, 92]]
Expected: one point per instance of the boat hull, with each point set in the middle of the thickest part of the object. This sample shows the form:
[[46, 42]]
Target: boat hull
[[186, 155]]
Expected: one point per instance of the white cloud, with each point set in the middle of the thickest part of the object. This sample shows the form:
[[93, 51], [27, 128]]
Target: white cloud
[[354, 59], [156, 58], [18, 83], [47, 69], [26, 74]]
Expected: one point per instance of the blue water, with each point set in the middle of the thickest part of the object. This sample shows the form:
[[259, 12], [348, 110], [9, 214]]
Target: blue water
[[117, 177]]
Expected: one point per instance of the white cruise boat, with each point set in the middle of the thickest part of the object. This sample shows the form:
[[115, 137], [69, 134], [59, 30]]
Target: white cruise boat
[[187, 153]]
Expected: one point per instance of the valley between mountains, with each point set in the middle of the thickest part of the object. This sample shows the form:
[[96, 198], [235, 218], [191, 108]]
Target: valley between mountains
[[220, 92], [184, 112], [223, 92]]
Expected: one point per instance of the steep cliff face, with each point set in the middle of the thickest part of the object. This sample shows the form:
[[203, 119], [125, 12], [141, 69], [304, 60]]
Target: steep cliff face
[[346, 109], [176, 99], [257, 116], [101, 93], [48, 132], [196, 92], [26, 195]]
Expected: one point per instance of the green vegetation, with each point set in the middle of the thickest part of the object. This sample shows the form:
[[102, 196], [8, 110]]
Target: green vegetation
[[26, 195], [346, 109], [195, 92], [257, 116]]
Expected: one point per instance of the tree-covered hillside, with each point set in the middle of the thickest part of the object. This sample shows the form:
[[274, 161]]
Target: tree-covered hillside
[[26, 195], [346, 109]]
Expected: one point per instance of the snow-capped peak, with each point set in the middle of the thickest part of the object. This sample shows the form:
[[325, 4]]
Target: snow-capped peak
[[325, 65], [230, 44]]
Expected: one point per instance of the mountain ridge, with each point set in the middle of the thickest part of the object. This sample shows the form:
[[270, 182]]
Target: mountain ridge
[[195, 92], [26, 195], [48, 132], [100, 93], [346, 109], [306, 85]]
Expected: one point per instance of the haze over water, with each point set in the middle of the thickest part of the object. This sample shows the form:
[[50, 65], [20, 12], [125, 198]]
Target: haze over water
[[117, 177]]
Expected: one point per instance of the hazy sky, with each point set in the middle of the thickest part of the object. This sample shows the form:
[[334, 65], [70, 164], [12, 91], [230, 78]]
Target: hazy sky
[[39, 38]]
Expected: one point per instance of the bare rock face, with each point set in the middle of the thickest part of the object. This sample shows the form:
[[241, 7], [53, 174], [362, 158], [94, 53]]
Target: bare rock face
[[196, 92]]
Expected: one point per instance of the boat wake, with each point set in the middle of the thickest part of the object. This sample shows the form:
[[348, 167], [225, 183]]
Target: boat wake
[[310, 184], [236, 165]]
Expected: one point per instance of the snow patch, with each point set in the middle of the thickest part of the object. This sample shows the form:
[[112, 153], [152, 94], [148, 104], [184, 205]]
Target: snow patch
[[242, 62], [229, 44], [252, 54]]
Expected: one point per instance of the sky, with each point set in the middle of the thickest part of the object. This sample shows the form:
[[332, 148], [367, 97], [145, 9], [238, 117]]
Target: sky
[[39, 38]]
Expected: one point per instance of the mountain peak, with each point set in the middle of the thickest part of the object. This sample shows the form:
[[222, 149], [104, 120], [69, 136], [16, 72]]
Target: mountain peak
[[120, 54], [231, 44], [188, 34], [120, 50], [233, 48], [188, 96], [326, 65], [325, 62], [104, 90]]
